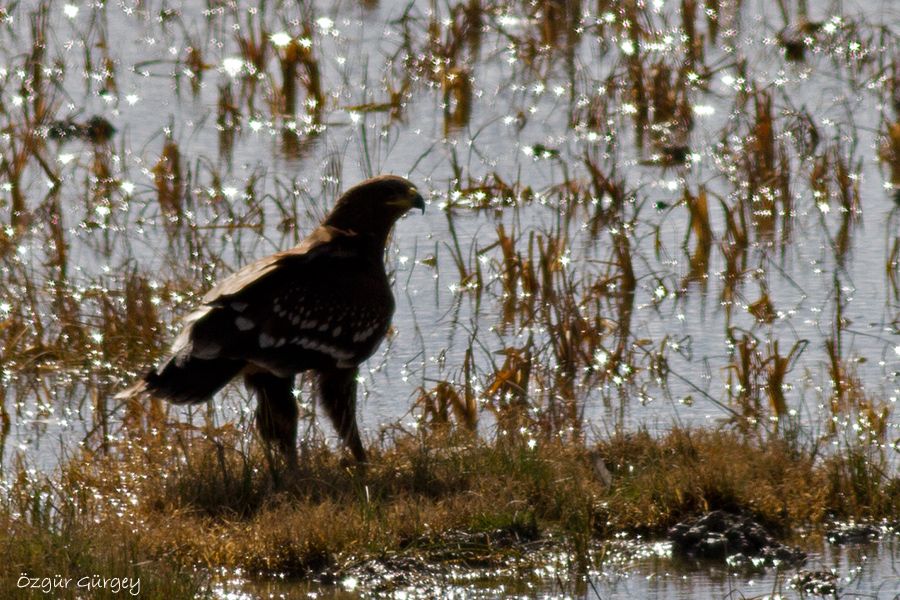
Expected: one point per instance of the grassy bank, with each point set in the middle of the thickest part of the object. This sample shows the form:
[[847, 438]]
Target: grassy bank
[[159, 510]]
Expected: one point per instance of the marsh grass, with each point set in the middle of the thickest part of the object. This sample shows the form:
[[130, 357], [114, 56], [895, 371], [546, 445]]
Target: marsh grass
[[556, 275], [159, 508], [75, 549]]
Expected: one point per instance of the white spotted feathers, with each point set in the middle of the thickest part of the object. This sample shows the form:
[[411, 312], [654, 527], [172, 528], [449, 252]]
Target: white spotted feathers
[[317, 305], [342, 332]]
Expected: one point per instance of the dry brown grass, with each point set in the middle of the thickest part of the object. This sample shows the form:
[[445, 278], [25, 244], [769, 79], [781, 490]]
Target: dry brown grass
[[690, 472], [181, 504]]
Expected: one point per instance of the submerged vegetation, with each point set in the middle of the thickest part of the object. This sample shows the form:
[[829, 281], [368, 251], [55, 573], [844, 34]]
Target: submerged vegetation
[[660, 275]]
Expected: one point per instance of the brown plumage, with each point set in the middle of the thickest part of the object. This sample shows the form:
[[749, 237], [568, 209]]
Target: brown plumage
[[324, 305]]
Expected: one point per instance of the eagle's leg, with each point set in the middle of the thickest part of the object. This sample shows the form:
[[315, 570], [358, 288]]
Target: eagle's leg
[[276, 412], [338, 390]]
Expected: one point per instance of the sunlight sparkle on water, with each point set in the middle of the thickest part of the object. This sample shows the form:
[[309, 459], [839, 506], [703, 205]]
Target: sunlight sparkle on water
[[325, 24], [233, 66], [280, 39]]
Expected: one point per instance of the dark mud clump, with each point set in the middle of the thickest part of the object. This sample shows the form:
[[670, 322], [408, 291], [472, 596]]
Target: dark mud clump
[[387, 573], [440, 559], [482, 548], [816, 583], [96, 130], [736, 539], [852, 533]]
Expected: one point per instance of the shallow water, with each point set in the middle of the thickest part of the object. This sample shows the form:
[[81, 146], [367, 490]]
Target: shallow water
[[629, 569], [515, 108]]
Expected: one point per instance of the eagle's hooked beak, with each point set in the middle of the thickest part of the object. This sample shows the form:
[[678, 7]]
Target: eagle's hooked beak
[[417, 200]]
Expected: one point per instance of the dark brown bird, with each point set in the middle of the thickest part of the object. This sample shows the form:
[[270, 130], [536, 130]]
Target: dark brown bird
[[324, 305], [96, 130]]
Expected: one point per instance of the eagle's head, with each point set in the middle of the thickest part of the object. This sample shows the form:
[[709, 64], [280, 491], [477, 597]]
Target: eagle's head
[[373, 206]]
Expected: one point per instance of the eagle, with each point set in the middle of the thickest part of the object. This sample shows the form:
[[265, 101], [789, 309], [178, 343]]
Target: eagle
[[324, 306]]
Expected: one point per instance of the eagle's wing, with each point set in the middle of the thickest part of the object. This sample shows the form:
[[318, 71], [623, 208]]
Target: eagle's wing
[[320, 305], [239, 280]]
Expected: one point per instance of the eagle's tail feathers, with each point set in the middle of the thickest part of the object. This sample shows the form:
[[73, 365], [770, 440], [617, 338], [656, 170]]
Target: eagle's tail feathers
[[192, 380]]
